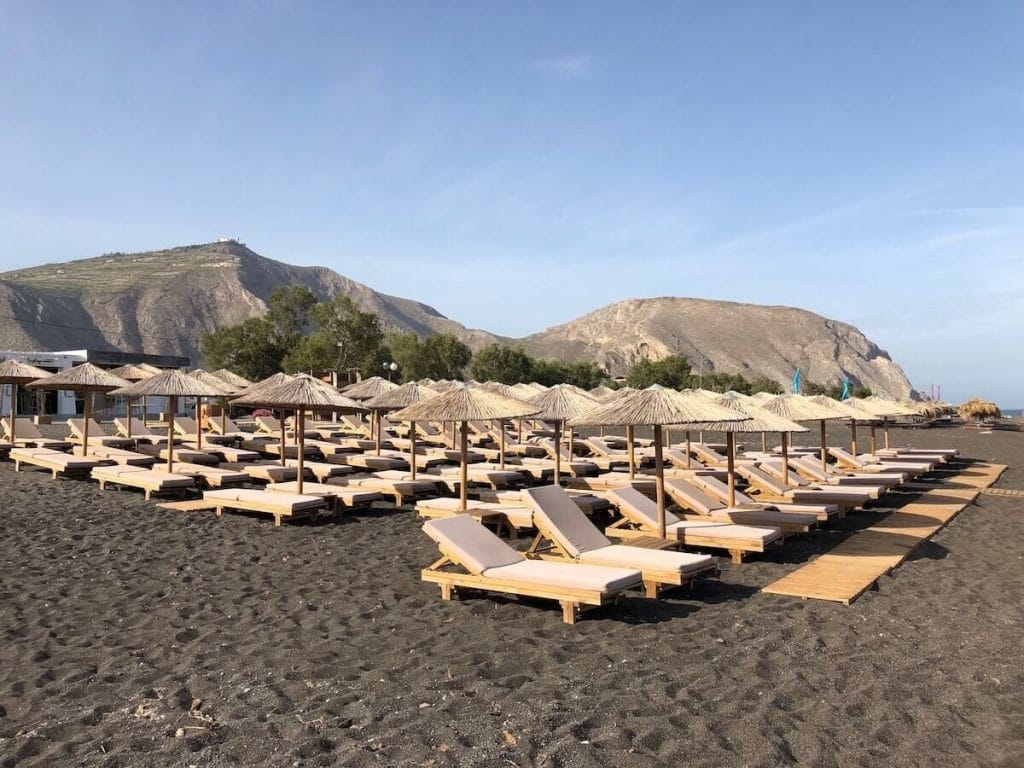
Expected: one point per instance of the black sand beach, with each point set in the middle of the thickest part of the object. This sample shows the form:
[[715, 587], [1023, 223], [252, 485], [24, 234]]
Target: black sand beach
[[134, 636]]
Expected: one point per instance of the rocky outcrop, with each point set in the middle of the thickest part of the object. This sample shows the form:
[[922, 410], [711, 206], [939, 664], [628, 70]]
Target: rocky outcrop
[[724, 336], [162, 301]]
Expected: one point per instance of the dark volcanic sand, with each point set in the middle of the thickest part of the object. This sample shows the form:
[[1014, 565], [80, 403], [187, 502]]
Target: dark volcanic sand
[[318, 645]]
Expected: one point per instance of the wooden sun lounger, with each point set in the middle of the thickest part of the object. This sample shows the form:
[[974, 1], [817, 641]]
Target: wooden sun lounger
[[272, 447], [720, 491], [514, 517], [708, 455], [277, 504], [640, 520], [371, 462], [810, 468], [228, 429], [534, 470], [488, 563], [858, 464], [571, 537], [141, 433], [188, 429], [181, 453], [115, 455], [571, 465], [210, 477], [699, 506], [224, 451], [149, 481], [97, 436], [588, 503], [341, 499], [401, 490], [27, 435], [765, 480], [320, 470], [491, 478], [423, 461], [264, 471], [610, 481], [57, 462]]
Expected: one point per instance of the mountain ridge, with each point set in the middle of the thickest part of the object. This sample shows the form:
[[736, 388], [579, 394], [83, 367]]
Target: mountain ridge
[[161, 302]]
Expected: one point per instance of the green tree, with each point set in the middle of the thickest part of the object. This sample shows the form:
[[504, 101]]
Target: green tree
[[673, 371], [496, 362], [249, 349], [438, 356], [581, 374]]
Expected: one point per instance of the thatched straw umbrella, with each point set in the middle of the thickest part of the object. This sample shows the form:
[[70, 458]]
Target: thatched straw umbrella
[[559, 404], [300, 392], [464, 404], [759, 420], [979, 409], [511, 392], [271, 381], [600, 392], [231, 378], [403, 397], [152, 370], [800, 408], [367, 389], [885, 409], [655, 407], [131, 373], [171, 384], [87, 379], [14, 373]]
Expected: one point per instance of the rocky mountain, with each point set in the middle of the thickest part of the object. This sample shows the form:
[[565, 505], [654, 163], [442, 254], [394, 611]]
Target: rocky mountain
[[161, 302], [726, 337]]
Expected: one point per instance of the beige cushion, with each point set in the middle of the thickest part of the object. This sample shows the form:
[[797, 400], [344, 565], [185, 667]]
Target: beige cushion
[[694, 497], [562, 520], [623, 556], [693, 528], [593, 578], [638, 508], [520, 517], [467, 542], [269, 500]]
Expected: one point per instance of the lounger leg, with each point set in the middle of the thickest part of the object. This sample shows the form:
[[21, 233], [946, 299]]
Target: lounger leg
[[568, 612], [277, 521], [218, 510], [147, 493], [446, 591], [650, 589], [737, 556]]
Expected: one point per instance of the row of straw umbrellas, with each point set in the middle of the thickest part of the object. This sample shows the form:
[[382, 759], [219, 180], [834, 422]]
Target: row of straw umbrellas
[[462, 402]]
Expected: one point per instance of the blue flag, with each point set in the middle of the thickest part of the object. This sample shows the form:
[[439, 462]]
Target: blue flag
[[796, 382], [846, 388]]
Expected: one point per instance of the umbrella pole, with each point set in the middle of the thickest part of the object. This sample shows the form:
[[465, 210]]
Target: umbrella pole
[[128, 415], [412, 449], [785, 458], [630, 448], [853, 436], [558, 450], [572, 447], [301, 432], [377, 415], [730, 440], [14, 415], [520, 429], [284, 444], [885, 427], [824, 449], [764, 443], [659, 473], [85, 425], [172, 406], [463, 473], [688, 459], [145, 411], [224, 416], [873, 443], [501, 444], [199, 423]]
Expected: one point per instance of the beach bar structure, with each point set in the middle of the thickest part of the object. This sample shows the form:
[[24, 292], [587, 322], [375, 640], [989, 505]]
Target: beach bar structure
[[67, 404]]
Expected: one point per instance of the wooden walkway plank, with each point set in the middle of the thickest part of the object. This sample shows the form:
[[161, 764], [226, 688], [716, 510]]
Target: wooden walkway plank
[[854, 565]]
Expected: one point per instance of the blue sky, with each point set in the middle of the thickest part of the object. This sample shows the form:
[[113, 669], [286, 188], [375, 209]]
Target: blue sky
[[864, 161]]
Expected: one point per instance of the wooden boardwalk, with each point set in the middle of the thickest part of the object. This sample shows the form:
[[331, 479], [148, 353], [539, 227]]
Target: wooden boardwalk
[[852, 567]]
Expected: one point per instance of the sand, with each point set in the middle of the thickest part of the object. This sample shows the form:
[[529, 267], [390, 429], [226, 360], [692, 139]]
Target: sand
[[134, 636]]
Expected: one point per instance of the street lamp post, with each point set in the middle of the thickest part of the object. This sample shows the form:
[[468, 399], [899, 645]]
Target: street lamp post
[[390, 368]]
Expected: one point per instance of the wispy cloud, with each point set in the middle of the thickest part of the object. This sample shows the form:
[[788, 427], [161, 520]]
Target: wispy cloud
[[566, 67]]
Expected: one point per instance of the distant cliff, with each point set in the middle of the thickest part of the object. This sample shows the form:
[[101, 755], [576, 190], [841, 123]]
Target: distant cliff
[[161, 302]]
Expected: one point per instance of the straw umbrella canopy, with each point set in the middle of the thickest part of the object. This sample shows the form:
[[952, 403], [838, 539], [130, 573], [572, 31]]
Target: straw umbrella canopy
[[232, 379], [403, 397], [884, 408], [601, 391], [801, 408], [655, 407], [559, 404], [464, 404], [299, 392], [759, 420], [226, 391], [131, 373], [14, 373], [979, 409], [367, 389], [85, 378], [171, 384]]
